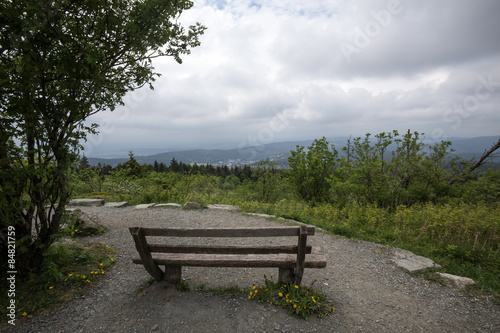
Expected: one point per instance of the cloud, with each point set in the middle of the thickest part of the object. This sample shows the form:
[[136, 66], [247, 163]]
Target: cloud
[[321, 68]]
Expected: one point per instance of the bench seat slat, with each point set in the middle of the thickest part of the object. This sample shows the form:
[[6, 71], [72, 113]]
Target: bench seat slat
[[226, 232], [235, 260], [216, 249]]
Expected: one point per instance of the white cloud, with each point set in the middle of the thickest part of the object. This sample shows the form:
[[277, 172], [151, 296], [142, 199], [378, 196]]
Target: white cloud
[[409, 65]]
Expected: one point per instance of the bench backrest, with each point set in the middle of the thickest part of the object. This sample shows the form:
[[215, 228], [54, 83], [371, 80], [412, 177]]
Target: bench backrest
[[224, 232], [301, 232]]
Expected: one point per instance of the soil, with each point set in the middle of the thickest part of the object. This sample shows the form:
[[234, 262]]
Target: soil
[[370, 294]]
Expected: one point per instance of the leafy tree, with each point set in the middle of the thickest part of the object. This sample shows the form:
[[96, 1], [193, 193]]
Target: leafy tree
[[62, 61], [309, 170], [270, 180]]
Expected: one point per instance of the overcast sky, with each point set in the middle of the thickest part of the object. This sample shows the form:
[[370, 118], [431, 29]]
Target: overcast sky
[[271, 71]]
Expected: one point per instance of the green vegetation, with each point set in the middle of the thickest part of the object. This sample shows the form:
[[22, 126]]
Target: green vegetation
[[413, 196], [68, 270]]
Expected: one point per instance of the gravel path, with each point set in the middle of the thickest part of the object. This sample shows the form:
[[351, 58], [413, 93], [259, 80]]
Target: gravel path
[[370, 294]]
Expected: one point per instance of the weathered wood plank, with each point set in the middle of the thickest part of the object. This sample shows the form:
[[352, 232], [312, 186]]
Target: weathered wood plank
[[301, 255], [236, 260], [173, 274], [219, 249], [142, 247], [286, 275], [226, 232]]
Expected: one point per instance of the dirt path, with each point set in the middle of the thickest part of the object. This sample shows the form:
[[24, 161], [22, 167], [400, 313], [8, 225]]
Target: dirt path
[[370, 294]]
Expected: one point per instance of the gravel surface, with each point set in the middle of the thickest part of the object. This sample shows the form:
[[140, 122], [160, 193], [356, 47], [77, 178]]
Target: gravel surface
[[370, 294]]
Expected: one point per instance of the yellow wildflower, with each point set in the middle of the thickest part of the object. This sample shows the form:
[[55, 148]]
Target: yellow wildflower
[[88, 280], [313, 299], [24, 314], [51, 287], [280, 294], [295, 306], [296, 287], [100, 264], [70, 274]]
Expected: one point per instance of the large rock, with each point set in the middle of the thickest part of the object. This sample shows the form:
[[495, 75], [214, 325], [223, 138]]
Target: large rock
[[457, 281], [225, 207], [168, 205], [412, 262], [86, 202], [117, 204], [192, 205]]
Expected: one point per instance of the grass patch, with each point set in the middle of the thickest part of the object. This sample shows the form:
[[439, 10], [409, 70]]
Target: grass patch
[[68, 270]]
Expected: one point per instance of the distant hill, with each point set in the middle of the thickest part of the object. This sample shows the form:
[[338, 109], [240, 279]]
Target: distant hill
[[467, 148]]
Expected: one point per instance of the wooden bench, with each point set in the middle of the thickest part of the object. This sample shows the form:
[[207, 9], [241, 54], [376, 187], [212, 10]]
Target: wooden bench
[[290, 259]]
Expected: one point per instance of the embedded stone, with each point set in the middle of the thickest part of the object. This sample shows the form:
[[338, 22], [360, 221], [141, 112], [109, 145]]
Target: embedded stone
[[262, 215], [225, 207], [411, 262], [457, 281], [120, 204], [86, 202], [145, 206], [168, 205]]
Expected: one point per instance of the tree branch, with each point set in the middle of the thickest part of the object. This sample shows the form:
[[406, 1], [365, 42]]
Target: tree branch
[[479, 162]]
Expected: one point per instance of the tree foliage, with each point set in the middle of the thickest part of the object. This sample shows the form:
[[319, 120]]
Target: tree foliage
[[310, 168], [62, 61]]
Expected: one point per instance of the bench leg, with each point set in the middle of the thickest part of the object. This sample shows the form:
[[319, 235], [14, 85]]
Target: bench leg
[[172, 274], [286, 275]]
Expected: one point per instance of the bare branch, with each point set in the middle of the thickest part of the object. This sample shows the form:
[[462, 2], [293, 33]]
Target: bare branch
[[479, 162]]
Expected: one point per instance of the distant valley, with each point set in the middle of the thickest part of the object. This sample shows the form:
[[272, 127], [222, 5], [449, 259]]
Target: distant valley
[[466, 148]]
